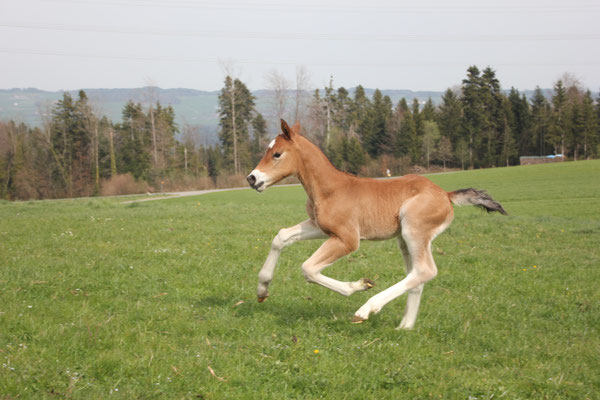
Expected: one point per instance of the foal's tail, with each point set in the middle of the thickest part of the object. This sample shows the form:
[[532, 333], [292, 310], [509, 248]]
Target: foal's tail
[[474, 197]]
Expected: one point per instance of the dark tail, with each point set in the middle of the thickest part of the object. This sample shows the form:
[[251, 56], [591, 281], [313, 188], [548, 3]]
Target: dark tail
[[474, 197]]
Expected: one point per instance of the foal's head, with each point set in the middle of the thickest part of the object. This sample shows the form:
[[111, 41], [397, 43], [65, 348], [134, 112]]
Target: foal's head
[[280, 160]]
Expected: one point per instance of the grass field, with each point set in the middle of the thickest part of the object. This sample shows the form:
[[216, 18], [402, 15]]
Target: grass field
[[156, 300]]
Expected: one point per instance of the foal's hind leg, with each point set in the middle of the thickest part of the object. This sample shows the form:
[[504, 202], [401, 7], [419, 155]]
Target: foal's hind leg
[[414, 295], [423, 270], [303, 231]]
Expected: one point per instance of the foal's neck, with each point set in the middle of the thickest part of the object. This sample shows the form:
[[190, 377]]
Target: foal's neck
[[316, 173]]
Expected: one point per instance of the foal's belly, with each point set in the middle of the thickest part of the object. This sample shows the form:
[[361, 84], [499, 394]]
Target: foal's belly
[[379, 230]]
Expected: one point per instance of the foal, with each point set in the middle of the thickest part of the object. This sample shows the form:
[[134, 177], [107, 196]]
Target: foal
[[345, 209]]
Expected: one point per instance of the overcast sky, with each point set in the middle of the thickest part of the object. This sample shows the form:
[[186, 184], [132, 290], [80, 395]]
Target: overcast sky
[[417, 45]]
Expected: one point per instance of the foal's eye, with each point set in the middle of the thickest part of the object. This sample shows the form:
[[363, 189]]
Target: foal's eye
[[276, 155]]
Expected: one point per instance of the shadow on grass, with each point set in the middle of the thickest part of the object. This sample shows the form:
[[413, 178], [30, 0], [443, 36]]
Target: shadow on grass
[[330, 314]]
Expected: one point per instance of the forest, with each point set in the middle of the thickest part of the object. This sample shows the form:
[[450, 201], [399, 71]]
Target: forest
[[78, 152]]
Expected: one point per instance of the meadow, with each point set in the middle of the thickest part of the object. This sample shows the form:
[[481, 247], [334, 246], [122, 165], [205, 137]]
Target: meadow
[[157, 300]]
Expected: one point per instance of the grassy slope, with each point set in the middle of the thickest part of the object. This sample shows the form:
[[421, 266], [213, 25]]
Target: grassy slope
[[97, 296]]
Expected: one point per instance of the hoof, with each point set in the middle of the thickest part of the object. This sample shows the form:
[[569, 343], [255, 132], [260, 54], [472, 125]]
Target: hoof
[[368, 283], [262, 298], [357, 320]]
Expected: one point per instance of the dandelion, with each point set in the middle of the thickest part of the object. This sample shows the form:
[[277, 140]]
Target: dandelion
[[316, 351], [535, 266], [524, 269]]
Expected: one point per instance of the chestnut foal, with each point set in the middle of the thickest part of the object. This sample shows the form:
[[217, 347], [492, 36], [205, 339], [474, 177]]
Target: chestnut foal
[[345, 209]]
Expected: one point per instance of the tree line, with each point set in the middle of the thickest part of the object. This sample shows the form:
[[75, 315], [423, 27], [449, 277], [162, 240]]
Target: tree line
[[79, 152], [476, 125]]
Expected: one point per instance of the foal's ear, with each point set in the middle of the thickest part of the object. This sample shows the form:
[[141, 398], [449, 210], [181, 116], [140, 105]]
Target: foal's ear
[[288, 133]]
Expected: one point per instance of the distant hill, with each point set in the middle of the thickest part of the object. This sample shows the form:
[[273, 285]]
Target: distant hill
[[192, 107]]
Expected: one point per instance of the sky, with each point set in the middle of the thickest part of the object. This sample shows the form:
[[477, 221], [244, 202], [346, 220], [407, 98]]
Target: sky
[[415, 45]]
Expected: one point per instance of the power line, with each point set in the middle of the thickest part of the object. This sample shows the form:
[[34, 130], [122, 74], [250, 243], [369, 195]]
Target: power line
[[276, 62], [442, 37], [346, 8]]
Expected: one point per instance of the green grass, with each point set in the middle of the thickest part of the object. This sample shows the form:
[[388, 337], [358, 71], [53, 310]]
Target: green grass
[[104, 300]]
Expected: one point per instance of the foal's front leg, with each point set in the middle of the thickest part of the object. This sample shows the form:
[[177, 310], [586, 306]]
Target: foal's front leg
[[303, 231], [332, 250]]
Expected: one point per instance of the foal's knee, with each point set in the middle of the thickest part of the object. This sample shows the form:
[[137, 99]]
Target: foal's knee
[[278, 241], [308, 272]]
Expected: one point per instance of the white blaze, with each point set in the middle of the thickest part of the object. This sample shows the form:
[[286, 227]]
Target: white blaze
[[272, 143]]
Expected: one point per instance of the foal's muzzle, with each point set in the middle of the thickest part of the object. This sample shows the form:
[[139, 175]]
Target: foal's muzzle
[[253, 183]]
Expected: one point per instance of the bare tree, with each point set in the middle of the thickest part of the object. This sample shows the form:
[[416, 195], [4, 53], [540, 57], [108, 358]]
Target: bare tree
[[444, 151], [301, 93], [573, 86], [280, 86]]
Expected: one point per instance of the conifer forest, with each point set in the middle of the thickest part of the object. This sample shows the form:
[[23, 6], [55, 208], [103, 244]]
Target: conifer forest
[[79, 152]]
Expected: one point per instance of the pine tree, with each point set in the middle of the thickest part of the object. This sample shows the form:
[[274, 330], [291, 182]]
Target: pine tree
[[575, 126], [509, 149], [236, 105], [520, 123], [540, 120], [360, 104], [429, 113], [70, 145], [378, 140], [342, 110], [473, 121], [133, 142], [419, 126], [590, 137], [213, 161], [449, 117], [494, 118], [366, 121], [558, 125], [404, 131], [259, 135], [355, 157]]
